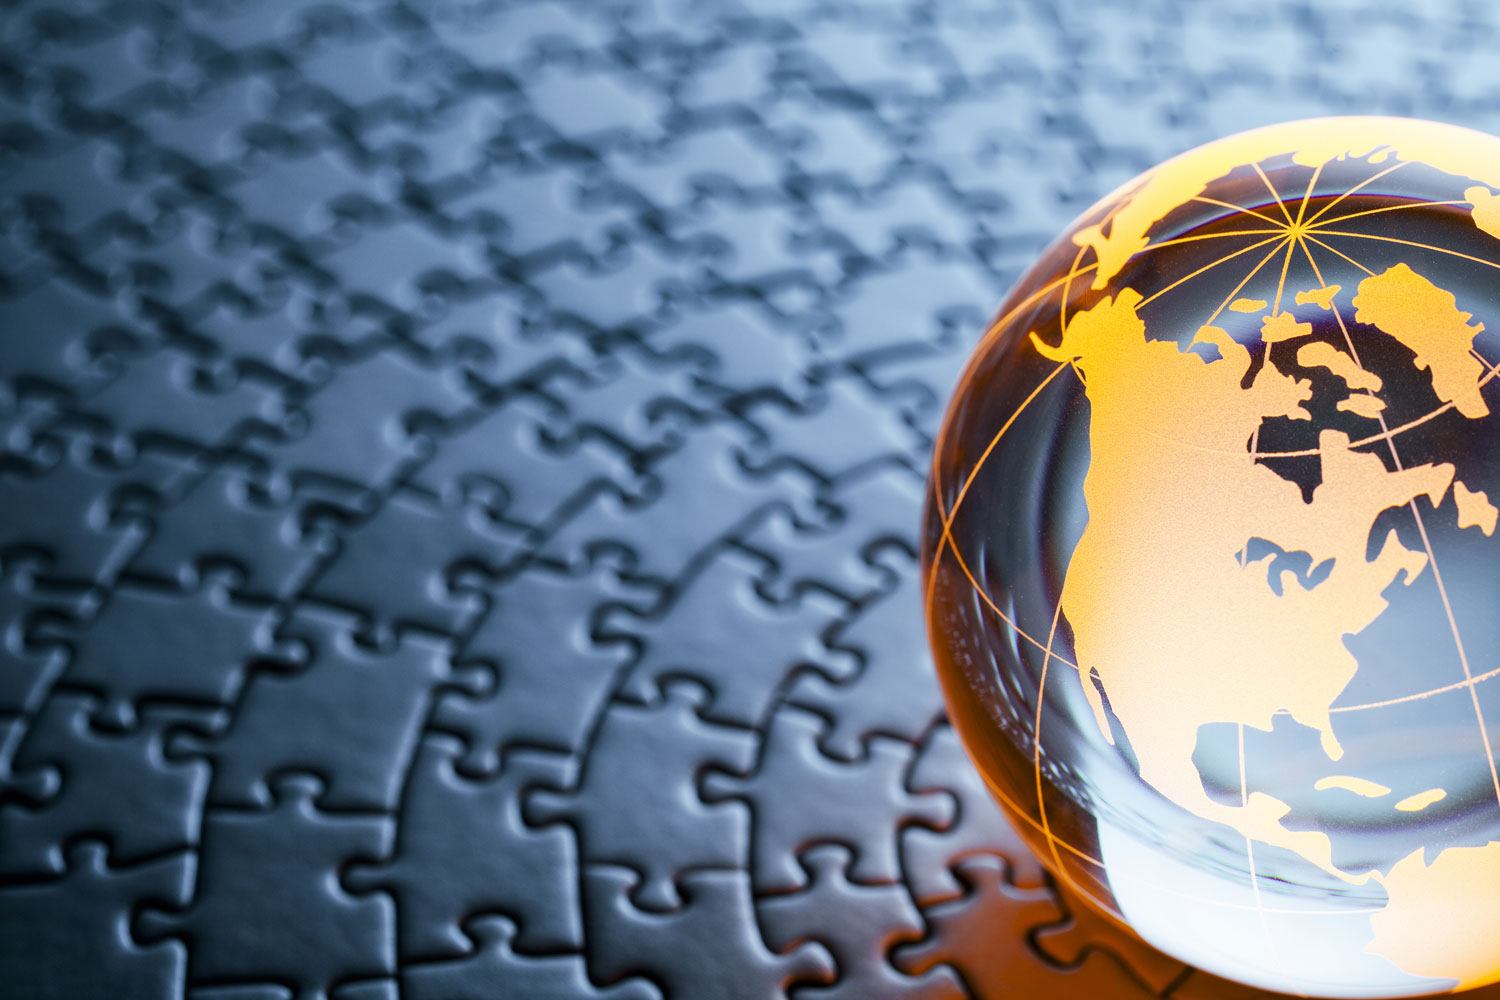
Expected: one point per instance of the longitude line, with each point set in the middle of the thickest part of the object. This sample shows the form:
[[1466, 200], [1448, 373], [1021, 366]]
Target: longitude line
[[1260, 912], [1291, 245], [1239, 208], [1437, 575], [1243, 282], [1391, 208], [1409, 243], [1271, 188], [1307, 195], [946, 540], [1367, 181], [1207, 267], [1330, 249]]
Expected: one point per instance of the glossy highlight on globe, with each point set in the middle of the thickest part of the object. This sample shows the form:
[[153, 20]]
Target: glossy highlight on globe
[[1212, 565]]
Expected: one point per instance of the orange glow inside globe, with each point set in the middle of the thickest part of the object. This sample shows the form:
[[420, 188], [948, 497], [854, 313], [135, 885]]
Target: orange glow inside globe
[[1213, 580]]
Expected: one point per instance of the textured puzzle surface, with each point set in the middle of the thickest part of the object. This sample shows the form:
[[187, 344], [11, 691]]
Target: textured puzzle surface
[[460, 468]]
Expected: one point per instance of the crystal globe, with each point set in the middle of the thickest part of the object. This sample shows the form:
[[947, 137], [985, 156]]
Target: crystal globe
[[1212, 574]]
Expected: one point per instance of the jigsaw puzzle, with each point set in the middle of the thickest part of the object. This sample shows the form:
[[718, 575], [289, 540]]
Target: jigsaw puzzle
[[461, 464]]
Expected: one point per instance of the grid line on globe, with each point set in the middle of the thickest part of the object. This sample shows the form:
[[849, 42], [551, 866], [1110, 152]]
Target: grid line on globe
[[1338, 572]]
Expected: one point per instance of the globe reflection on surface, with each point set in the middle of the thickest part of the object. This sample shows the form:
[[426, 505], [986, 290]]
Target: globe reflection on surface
[[1213, 580]]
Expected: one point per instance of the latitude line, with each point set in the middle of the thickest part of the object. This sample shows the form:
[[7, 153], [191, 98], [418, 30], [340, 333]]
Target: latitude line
[[995, 326], [1000, 322], [1420, 695], [946, 541], [1015, 811], [1437, 575], [1053, 841], [1062, 304], [1492, 372], [1286, 264], [948, 516], [1211, 236]]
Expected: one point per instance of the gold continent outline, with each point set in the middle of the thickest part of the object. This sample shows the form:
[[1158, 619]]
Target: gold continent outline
[[946, 542], [1298, 238], [1311, 143], [1493, 370], [1467, 972], [998, 325]]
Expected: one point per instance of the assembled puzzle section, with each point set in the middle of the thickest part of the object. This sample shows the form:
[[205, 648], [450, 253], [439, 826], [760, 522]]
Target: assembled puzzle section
[[461, 466]]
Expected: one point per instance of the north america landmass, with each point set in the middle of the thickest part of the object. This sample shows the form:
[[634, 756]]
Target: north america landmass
[[1176, 494]]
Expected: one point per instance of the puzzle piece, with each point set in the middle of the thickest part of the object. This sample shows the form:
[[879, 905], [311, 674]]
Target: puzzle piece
[[893, 693], [736, 350], [96, 777], [711, 614], [487, 331], [873, 919], [867, 514], [408, 528], [249, 336], [74, 354], [860, 804], [378, 264], [979, 827], [657, 538], [492, 962], [632, 287], [170, 644], [983, 935], [638, 409], [854, 432], [317, 439], [59, 507], [229, 520], [715, 924], [30, 659], [917, 380], [947, 298], [66, 937], [636, 802], [1085, 931], [549, 216], [265, 876], [501, 459], [512, 869], [369, 703], [725, 162], [554, 679]]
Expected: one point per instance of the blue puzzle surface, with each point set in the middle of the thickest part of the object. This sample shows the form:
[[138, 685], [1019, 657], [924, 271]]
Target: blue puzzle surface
[[461, 466]]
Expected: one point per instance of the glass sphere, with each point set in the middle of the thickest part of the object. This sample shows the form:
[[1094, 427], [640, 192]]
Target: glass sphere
[[1213, 582]]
